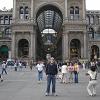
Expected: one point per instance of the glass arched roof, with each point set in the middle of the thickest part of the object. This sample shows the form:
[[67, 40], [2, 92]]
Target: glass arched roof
[[49, 17]]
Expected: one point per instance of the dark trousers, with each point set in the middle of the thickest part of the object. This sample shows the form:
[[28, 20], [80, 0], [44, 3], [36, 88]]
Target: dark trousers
[[76, 77], [4, 70], [51, 79]]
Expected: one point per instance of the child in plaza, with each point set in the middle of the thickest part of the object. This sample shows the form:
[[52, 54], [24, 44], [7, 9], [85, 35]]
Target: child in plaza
[[91, 88]]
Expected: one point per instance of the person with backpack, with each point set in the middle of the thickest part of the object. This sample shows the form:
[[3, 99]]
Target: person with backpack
[[91, 88]]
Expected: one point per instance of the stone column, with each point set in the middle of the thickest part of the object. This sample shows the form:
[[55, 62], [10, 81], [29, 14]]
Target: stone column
[[13, 46], [66, 9], [84, 9], [33, 46], [32, 9], [9, 54], [14, 9], [82, 49], [65, 46], [85, 45]]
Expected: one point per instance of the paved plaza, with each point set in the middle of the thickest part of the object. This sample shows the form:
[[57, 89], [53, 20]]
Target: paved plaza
[[23, 85]]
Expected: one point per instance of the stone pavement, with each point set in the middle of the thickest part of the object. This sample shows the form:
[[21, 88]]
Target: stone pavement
[[23, 85]]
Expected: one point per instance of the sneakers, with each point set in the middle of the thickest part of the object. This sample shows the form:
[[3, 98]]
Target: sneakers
[[46, 94], [1, 80], [54, 94], [92, 95]]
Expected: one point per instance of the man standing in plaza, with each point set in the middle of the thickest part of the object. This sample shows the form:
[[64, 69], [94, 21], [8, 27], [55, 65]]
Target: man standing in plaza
[[51, 72]]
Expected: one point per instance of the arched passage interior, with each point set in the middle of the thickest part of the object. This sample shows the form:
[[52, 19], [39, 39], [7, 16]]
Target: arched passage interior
[[49, 22], [4, 52], [23, 48], [94, 52], [75, 48]]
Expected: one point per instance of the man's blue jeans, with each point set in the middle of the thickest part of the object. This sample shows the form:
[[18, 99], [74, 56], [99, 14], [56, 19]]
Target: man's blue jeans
[[40, 75], [76, 77], [51, 79]]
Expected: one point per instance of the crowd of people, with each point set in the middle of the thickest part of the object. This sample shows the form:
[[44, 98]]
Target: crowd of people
[[17, 65], [67, 72]]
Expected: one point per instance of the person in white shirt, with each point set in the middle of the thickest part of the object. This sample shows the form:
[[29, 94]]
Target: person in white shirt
[[91, 88], [83, 64], [39, 67], [4, 67], [64, 73]]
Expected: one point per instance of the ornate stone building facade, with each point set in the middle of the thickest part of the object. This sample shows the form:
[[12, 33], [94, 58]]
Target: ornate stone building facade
[[62, 28], [5, 34]]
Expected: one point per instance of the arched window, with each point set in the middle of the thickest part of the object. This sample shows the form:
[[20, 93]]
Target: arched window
[[76, 10], [91, 32], [10, 19], [97, 19], [76, 16], [92, 19], [1, 20], [21, 12], [88, 19], [71, 10], [8, 31], [26, 12], [6, 20]]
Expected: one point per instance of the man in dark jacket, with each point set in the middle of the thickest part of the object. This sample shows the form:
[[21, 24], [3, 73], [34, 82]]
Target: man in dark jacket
[[51, 72]]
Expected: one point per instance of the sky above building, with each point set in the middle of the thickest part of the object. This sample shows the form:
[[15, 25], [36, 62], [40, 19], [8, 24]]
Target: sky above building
[[90, 4]]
